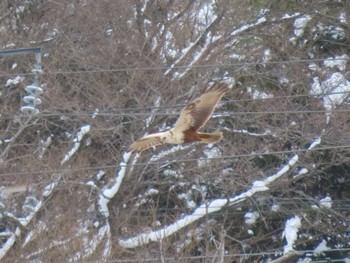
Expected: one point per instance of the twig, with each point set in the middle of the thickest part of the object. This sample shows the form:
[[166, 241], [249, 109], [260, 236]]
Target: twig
[[8, 147]]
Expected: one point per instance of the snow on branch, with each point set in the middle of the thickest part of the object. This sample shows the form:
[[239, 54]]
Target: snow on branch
[[149, 119], [205, 209], [105, 196], [199, 54], [213, 206], [248, 26], [90, 244], [24, 221], [245, 27], [290, 233], [336, 87], [190, 50], [262, 185], [109, 192], [158, 235], [168, 151], [77, 140], [9, 242]]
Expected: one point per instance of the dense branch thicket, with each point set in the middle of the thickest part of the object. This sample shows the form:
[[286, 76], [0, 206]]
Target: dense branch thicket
[[116, 70]]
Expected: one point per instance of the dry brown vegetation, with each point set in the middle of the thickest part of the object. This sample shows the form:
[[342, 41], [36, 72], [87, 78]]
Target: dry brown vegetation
[[136, 62]]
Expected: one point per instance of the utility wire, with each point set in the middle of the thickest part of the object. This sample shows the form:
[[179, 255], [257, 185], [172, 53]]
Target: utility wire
[[225, 114], [142, 211], [136, 114], [162, 68], [126, 111], [270, 253], [223, 158], [217, 114]]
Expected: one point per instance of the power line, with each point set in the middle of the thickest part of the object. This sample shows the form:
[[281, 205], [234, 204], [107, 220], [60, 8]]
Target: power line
[[126, 111], [225, 114], [162, 68], [300, 253], [223, 158], [182, 210], [219, 114]]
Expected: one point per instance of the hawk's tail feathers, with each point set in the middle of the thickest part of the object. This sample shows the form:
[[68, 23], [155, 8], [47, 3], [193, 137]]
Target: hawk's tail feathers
[[210, 137]]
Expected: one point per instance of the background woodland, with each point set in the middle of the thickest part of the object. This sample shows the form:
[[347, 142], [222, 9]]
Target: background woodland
[[275, 188]]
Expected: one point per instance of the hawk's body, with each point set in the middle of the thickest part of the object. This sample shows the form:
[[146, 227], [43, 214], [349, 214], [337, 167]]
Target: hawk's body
[[192, 118]]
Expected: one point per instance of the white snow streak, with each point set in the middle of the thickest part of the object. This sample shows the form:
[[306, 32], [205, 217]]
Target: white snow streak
[[337, 61], [299, 25], [25, 221], [43, 146], [209, 40], [173, 228], [321, 248], [83, 130], [326, 202], [14, 81], [251, 217], [248, 26], [90, 244], [204, 209], [166, 152], [9, 242], [337, 87], [290, 233], [258, 94], [108, 193], [151, 117], [316, 142], [287, 16], [265, 133]]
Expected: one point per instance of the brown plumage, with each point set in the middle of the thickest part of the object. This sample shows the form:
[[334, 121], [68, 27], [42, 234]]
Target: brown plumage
[[192, 118]]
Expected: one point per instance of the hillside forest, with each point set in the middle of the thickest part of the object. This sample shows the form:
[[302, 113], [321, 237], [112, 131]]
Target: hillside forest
[[82, 80]]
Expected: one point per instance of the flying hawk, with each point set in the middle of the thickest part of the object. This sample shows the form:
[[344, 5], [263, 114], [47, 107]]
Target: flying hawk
[[192, 118]]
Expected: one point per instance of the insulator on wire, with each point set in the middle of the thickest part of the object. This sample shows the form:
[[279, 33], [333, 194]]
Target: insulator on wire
[[30, 110], [33, 90], [31, 99]]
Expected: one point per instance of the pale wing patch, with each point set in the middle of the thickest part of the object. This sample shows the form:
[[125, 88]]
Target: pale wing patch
[[146, 142], [196, 114], [185, 119]]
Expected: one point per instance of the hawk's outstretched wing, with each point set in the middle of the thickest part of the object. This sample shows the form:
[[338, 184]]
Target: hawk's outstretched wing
[[146, 142], [196, 113], [192, 118]]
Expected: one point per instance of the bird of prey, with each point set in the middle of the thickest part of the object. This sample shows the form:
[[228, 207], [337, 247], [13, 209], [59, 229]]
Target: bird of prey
[[192, 118]]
